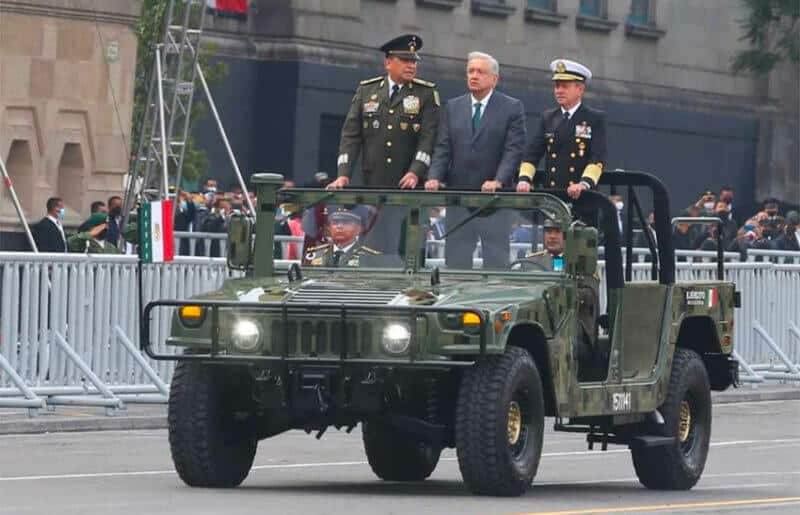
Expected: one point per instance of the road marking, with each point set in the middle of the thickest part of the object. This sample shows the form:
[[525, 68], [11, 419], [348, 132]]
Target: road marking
[[677, 506], [287, 466]]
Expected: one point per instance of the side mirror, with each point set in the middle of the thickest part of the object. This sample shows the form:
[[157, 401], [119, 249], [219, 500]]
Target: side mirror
[[240, 242], [581, 250]]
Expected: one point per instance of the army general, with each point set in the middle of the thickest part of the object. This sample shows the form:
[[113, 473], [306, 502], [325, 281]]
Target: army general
[[392, 120], [571, 137]]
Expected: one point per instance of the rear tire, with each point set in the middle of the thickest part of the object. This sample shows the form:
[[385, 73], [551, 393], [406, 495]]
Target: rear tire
[[394, 456], [687, 417], [500, 424], [211, 446]]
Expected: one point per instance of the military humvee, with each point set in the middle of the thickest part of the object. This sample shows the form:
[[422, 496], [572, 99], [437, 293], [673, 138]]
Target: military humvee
[[430, 347]]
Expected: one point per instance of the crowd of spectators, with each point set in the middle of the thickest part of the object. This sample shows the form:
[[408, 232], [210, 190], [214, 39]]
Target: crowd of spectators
[[768, 229], [209, 210]]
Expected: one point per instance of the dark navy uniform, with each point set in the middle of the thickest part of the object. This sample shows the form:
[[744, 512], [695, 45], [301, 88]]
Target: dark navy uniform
[[574, 147]]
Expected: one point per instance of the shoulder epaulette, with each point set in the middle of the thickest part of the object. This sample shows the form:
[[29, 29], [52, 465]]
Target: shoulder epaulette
[[424, 83], [370, 81], [371, 251], [319, 247], [535, 254]]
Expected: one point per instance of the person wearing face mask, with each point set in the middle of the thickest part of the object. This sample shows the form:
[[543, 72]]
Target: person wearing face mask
[[215, 222], [770, 232], [729, 226], [706, 203], [93, 240], [48, 233], [184, 219], [790, 239]]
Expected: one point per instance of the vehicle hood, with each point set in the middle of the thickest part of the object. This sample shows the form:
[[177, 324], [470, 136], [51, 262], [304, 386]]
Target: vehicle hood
[[395, 290]]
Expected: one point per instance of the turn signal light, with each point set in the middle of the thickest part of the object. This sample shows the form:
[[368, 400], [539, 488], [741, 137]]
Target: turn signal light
[[470, 319], [191, 312], [191, 316]]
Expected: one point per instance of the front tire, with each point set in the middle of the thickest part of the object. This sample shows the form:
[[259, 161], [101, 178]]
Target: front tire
[[211, 444], [397, 457], [687, 417], [500, 424]]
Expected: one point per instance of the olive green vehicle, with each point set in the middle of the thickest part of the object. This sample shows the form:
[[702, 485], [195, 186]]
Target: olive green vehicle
[[427, 352]]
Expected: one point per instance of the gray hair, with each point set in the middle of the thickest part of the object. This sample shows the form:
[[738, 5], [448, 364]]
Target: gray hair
[[493, 64]]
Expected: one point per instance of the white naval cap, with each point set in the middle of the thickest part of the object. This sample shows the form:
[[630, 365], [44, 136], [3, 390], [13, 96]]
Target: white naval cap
[[564, 69]]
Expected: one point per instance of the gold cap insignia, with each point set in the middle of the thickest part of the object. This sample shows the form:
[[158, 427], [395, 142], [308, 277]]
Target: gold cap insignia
[[561, 67]]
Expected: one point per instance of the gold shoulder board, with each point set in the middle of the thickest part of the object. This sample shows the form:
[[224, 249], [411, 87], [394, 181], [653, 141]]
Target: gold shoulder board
[[319, 247], [370, 81], [371, 251], [424, 83], [535, 254]]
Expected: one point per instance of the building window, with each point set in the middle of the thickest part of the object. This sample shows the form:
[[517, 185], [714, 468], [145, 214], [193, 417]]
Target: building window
[[593, 15], [594, 8], [492, 7], [641, 22], [542, 5], [642, 12], [544, 11]]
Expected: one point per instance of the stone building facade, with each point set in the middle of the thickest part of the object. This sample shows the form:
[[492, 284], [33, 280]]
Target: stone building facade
[[66, 98], [662, 74]]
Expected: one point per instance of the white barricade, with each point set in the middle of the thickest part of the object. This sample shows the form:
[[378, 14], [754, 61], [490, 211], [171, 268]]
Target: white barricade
[[69, 329]]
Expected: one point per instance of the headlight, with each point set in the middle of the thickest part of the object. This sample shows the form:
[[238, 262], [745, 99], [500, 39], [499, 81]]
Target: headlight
[[396, 338], [246, 335]]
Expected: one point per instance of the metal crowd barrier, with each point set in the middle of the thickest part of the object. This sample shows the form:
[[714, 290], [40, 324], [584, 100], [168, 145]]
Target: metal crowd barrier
[[69, 323]]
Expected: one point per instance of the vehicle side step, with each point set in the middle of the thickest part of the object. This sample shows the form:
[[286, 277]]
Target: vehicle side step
[[642, 441]]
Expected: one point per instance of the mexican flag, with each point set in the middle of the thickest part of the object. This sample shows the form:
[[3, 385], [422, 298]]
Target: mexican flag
[[228, 6], [156, 241], [712, 298]]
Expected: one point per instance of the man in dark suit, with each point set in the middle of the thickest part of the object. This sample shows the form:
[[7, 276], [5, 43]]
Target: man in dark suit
[[571, 137], [114, 219], [479, 146], [49, 232]]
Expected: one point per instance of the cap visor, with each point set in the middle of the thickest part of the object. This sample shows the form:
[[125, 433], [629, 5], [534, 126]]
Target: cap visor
[[568, 76]]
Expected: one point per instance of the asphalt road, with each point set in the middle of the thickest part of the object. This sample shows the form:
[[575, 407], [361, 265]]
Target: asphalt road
[[754, 466]]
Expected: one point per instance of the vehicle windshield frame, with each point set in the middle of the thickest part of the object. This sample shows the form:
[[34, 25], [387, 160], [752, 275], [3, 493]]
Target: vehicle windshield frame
[[419, 201]]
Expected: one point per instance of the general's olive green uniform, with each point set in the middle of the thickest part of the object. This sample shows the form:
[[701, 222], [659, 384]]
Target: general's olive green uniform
[[392, 137], [85, 242], [327, 255]]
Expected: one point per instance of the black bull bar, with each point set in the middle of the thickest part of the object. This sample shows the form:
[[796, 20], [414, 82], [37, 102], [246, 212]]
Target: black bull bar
[[286, 310]]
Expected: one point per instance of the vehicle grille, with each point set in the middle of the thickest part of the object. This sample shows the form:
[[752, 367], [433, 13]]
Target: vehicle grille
[[321, 337], [335, 296]]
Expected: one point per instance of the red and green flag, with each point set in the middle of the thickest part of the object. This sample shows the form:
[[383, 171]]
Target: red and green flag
[[228, 6], [156, 240]]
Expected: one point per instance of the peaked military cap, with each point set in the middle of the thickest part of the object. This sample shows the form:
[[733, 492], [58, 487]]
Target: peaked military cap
[[549, 223], [343, 215], [564, 69], [404, 47], [96, 219]]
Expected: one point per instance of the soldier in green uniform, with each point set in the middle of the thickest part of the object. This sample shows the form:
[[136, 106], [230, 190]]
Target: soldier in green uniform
[[391, 123], [550, 259], [571, 137], [343, 248], [93, 239]]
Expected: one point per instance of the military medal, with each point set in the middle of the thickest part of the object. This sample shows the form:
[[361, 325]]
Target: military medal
[[416, 127], [371, 107], [411, 104], [376, 124], [403, 126], [583, 131]]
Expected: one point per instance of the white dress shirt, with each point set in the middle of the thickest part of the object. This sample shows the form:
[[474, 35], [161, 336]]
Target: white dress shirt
[[391, 85], [483, 102], [571, 111], [60, 227]]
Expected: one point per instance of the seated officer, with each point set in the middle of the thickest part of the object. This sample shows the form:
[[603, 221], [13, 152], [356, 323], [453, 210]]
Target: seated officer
[[343, 228], [552, 257]]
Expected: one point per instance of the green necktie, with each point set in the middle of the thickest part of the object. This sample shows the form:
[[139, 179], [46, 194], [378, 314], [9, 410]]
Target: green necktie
[[476, 117]]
